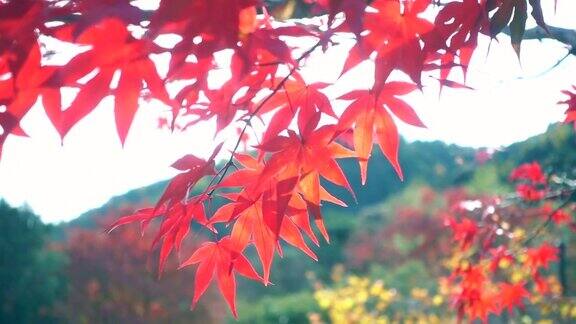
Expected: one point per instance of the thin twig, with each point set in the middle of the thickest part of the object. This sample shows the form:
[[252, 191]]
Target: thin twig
[[247, 121], [549, 218], [550, 68]]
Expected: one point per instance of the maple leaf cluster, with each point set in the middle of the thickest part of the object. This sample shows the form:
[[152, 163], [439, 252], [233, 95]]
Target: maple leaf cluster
[[496, 255], [497, 266], [274, 195], [497, 250], [531, 181]]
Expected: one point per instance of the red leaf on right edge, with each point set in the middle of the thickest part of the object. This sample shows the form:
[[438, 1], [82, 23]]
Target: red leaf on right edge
[[571, 102]]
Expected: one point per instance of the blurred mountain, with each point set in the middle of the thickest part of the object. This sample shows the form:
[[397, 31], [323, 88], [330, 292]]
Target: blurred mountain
[[132, 199], [554, 150]]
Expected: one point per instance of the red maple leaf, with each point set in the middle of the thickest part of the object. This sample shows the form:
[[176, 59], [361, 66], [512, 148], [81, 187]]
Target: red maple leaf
[[256, 215], [531, 172], [396, 34], [290, 177], [481, 304], [113, 50], [460, 22], [542, 285], [175, 207], [529, 192], [369, 114], [220, 23], [464, 231], [19, 21], [20, 93], [571, 102], [251, 226], [174, 228], [310, 155], [472, 297], [511, 295], [295, 97], [540, 257], [93, 11], [194, 169], [221, 260], [561, 217], [353, 9]]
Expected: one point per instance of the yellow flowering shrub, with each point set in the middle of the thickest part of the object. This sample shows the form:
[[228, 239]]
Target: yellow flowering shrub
[[355, 299]]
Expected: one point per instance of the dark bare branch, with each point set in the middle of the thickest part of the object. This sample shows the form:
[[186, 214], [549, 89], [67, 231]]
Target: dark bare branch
[[563, 35]]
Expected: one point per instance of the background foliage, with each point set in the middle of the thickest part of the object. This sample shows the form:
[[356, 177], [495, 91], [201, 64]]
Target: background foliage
[[90, 276]]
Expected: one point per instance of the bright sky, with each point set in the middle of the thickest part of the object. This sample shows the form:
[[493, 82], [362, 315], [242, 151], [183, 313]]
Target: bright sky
[[59, 182]]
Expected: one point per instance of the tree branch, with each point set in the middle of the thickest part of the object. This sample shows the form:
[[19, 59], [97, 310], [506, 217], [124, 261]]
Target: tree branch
[[222, 172], [549, 217], [563, 35]]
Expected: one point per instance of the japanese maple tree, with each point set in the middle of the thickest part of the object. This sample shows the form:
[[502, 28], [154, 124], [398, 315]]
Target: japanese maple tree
[[275, 194], [490, 254]]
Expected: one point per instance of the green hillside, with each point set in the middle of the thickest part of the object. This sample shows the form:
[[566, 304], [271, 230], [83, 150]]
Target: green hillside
[[553, 149], [137, 197]]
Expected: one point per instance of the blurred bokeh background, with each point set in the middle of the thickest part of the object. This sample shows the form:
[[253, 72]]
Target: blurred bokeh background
[[388, 252]]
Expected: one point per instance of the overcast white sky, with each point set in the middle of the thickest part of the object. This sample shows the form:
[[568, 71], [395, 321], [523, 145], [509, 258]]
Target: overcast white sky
[[59, 182]]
